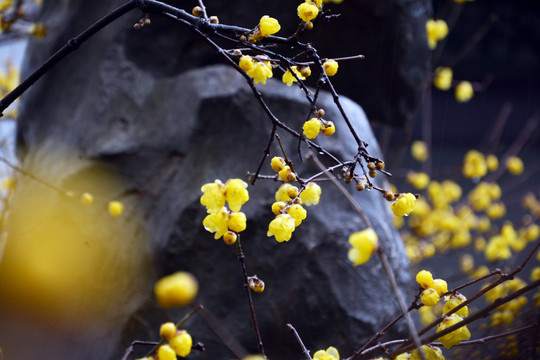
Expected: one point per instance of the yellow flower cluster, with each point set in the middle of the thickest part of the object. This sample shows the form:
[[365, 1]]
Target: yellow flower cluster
[[177, 342], [178, 289], [481, 197], [436, 31], [221, 221], [258, 68], [284, 171], [500, 246], [507, 312], [433, 289], [329, 354], [364, 243], [288, 77], [313, 126], [474, 165], [404, 204], [288, 208]]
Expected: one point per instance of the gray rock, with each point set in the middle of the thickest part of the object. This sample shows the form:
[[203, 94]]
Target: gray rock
[[165, 134]]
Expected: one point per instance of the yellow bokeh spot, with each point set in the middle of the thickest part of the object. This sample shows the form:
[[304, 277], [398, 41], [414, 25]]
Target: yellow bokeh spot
[[65, 264]]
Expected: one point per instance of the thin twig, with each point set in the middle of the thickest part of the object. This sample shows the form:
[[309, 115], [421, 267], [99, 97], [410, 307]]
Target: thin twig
[[72, 45], [305, 351], [248, 293], [131, 347]]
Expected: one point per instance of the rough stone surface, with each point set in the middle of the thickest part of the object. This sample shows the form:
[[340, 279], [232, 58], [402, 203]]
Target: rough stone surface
[[167, 133]]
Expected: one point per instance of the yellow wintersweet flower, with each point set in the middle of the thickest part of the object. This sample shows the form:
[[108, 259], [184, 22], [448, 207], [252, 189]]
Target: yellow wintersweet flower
[[286, 174], [464, 91], [268, 26], [404, 204], [364, 243], [492, 162], [311, 128], [456, 336], [496, 210], [454, 300], [419, 151], [277, 163], [328, 128], [217, 222], [236, 193], [178, 289], [286, 192], [281, 227], [443, 78], [418, 179], [213, 196], [307, 11], [330, 67], [237, 222], [311, 194], [167, 330], [514, 165], [165, 352], [246, 63], [429, 297], [181, 343], [474, 165], [430, 353], [532, 232], [497, 249], [329, 354], [436, 30], [452, 190], [116, 208], [298, 213], [288, 77], [440, 286], [261, 71]]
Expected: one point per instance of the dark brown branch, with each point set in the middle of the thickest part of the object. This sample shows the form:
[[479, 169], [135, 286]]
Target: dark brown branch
[[248, 293], [72, 45]]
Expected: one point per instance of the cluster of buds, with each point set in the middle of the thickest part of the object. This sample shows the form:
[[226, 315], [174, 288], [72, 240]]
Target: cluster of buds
[[142, 22]]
